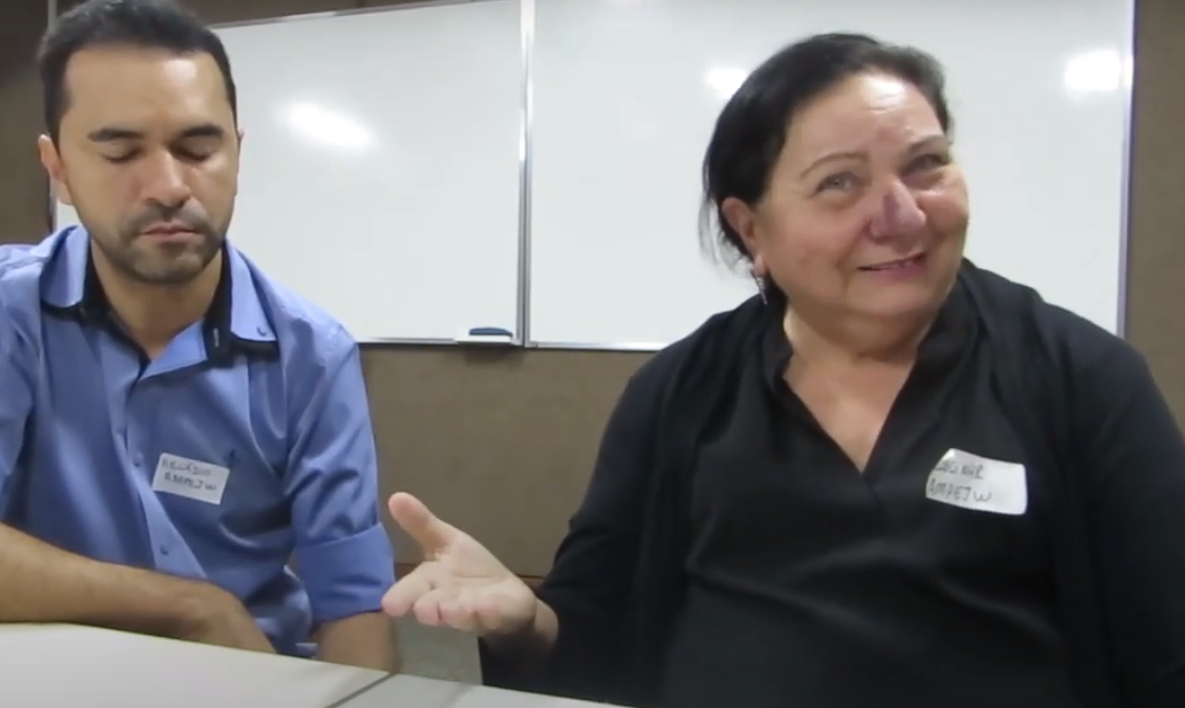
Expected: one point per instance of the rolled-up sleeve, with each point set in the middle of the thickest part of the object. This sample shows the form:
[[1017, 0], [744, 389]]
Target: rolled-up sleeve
[[16, 401], [343, 553]]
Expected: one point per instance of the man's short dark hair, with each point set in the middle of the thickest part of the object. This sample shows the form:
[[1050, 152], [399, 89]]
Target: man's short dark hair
[[147, 24]]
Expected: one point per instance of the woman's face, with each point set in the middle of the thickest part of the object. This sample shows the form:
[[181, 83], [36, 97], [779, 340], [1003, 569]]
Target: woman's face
[[866, 211]]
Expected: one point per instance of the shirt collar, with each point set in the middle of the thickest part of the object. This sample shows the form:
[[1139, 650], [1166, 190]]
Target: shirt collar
[[953, 331], [236, 320]]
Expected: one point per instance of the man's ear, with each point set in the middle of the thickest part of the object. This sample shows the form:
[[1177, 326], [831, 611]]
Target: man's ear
[[51, 160]]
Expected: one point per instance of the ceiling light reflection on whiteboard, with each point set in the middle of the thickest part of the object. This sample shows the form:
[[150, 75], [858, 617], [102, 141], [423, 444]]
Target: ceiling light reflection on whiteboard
[[317, 124], [1101, 71], [725, 82]]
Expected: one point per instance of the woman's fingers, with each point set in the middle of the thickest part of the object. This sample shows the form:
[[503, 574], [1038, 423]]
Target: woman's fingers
[[459, 613], [466, 609], [431, 533], [410, 588], [427, 608], [436, 598]]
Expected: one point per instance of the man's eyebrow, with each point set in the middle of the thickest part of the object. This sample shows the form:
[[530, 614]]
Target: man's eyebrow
[[113, 134], [110, 135], [203, 130]]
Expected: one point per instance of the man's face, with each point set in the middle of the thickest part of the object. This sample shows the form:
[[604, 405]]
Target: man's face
[[148, 155]]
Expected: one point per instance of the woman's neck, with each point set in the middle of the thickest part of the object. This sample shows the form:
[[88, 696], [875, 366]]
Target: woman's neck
[[856, 340]]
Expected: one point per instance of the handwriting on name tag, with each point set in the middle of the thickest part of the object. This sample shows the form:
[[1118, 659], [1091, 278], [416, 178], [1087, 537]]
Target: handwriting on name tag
[[193, 479], [979, 483]]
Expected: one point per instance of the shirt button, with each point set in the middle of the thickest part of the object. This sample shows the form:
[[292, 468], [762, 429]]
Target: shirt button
[[138, 460], [164, 550]]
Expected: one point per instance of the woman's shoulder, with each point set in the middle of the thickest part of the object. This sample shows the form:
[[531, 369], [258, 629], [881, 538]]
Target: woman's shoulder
[[703, 352], [1069, 340]]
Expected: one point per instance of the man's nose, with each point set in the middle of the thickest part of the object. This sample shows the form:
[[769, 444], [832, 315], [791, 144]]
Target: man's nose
[[164, 182]]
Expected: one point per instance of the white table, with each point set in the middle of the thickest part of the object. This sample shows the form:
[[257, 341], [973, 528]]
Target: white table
[[418, 692], [50, 666]]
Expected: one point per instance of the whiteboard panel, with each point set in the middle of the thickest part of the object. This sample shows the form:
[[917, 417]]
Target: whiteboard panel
[[380, 174], [625, 95]]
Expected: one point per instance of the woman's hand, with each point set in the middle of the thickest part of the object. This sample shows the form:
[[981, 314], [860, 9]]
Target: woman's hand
[[460, 584]]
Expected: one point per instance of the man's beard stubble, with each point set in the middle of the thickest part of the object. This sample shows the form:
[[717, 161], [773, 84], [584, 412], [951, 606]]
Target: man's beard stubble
[[161, 264]]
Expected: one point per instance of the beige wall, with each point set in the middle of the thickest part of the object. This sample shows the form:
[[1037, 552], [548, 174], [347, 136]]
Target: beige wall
[[502, 444]]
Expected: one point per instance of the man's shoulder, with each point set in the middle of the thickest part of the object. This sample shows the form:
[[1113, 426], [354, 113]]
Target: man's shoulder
[[304, 329], [21, 268]]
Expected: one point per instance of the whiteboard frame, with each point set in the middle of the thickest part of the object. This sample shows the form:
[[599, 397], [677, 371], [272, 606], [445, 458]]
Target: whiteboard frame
[[527, 27], [51, 20], [1125, 180]]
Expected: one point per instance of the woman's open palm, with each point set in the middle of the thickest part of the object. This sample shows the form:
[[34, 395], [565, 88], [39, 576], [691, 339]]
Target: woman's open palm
[[460, 584]]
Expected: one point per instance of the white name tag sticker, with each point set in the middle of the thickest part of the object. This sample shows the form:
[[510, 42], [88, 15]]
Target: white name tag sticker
[[190, 478], [979, 483]]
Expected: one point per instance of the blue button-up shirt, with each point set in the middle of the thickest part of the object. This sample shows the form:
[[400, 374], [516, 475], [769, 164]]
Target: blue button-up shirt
[[244, 446]]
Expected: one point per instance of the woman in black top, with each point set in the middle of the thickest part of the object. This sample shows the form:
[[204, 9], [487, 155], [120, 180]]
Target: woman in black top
[[892, 479]]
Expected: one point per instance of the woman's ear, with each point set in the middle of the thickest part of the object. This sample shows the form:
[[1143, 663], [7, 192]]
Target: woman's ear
[[743, 222], [758, 267]]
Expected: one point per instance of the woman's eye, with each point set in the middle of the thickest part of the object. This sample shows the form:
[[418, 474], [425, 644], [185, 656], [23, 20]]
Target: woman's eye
[[844, 180], [930, 161]]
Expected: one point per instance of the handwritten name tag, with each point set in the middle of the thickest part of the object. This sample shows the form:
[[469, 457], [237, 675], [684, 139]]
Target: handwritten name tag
[[197, 480], [979, 483]]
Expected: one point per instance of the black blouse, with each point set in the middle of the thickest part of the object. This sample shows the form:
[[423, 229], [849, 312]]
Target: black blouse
[[728, 554], [812, 584]]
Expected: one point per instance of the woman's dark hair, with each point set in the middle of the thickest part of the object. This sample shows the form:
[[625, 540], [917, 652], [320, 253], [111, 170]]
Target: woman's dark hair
[[751, 129]]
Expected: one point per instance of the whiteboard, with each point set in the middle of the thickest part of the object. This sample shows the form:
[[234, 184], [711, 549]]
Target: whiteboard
[[625, 94], [380, 173]]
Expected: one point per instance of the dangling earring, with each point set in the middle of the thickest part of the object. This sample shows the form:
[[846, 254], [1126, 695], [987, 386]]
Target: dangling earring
[[760, 287]]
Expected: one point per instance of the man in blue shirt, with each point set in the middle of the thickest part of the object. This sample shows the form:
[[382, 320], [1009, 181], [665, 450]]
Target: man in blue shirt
[[175, 428]]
